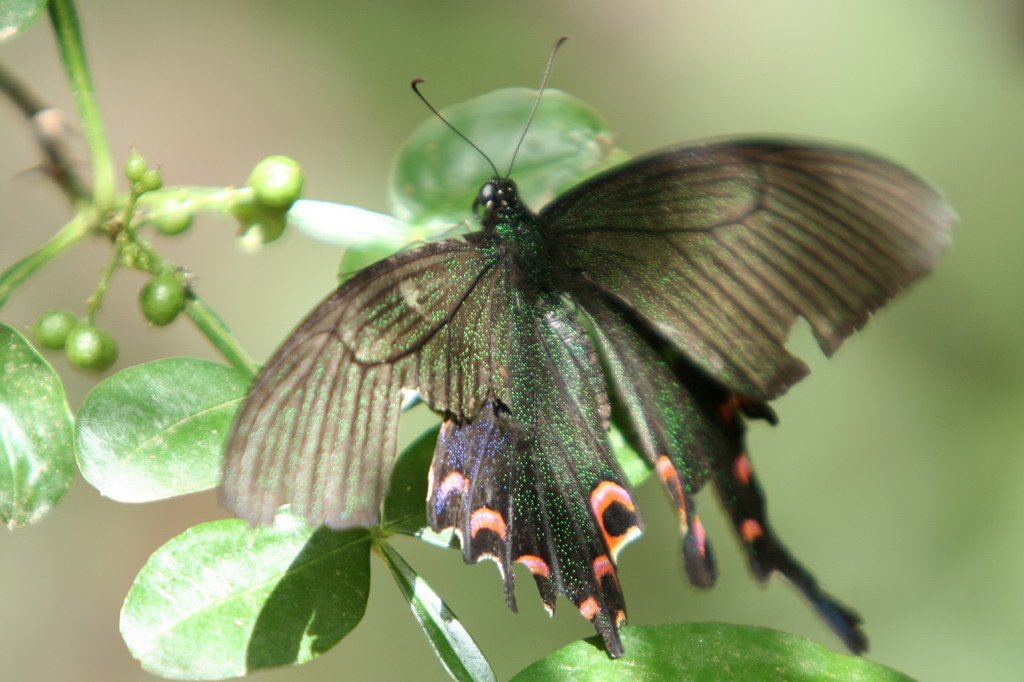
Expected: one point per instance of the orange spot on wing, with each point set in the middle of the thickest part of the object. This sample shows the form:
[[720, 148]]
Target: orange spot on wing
[[589, 608], [487, 519], [606, 494], [452, 482], [670, 476], [536, 565], [729, 408], [620, 618], [741, 469], [700, 536], [751, 530], [603, 567]]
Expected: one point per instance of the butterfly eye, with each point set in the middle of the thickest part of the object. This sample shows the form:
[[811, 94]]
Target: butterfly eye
[[487, 194]]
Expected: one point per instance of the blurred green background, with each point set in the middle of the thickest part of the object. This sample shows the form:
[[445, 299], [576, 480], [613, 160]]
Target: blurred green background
[[896, 472]]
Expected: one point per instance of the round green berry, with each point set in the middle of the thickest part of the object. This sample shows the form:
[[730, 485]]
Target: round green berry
[[90, 348], [277, 181], [162, 298], [135, 167], [260, 223], [150, 181], [173, 223], [52, 328]]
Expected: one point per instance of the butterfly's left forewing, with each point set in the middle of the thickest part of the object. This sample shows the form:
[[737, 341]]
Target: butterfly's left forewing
[[721, 246], [319, 426]]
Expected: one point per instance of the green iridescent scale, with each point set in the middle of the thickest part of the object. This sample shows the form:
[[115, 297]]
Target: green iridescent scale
[[664, 288]]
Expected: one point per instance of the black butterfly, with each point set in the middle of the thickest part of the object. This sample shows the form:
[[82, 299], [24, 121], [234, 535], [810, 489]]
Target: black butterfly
[[670, 282]]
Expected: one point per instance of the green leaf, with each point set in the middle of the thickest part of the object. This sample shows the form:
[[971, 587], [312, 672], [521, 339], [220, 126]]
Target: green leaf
[[706, 652], [348, 226], [37, 456], [404, 507], [17, 15], [224, 599], [157, 430], [357, 258], [453, 645], [437, 175]]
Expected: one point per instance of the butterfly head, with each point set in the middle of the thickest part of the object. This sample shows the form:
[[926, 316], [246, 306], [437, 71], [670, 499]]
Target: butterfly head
[[499, 208]]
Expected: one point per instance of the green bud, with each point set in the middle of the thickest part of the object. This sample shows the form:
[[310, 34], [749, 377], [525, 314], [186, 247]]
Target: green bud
[[173, 223], [135, 167], [162, 298], [90, 348], [277, 181], [260, 223], [149, 182], [52, 328]]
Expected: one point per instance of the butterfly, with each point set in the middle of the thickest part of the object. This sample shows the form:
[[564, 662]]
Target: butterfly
[[657, 295]]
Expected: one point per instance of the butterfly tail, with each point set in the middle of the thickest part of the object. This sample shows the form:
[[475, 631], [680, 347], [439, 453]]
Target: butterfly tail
[[691, 428], [661, 418], [499, 492], [469, 485], [741, 496], [698, 559]]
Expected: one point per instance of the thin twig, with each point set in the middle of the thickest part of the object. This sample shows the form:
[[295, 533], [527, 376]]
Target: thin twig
[[64, 18], [48, 124]]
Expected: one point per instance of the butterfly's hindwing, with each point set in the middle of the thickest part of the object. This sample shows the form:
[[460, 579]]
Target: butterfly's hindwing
[[721, 246], [741, 496], [664, 418], [534, 481], [691, 428]]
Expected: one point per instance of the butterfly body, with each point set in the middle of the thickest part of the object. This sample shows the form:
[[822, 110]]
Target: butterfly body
[[500, 478], [659, 293]]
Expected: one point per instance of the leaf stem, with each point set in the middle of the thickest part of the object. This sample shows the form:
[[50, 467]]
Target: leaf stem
[[72, 51], [214, 328], [73, 231], [93, 303], [204, 317], [452, 644]]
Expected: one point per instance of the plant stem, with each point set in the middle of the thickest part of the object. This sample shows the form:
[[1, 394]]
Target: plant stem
[[64, 18], [93, 303], [77, 228], [204, 317], [72, 51], [218, 333], [48, 124]]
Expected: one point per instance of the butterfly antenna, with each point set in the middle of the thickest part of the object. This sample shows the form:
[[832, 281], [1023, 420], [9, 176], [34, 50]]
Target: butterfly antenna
[[536, 102], [415, 88]]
